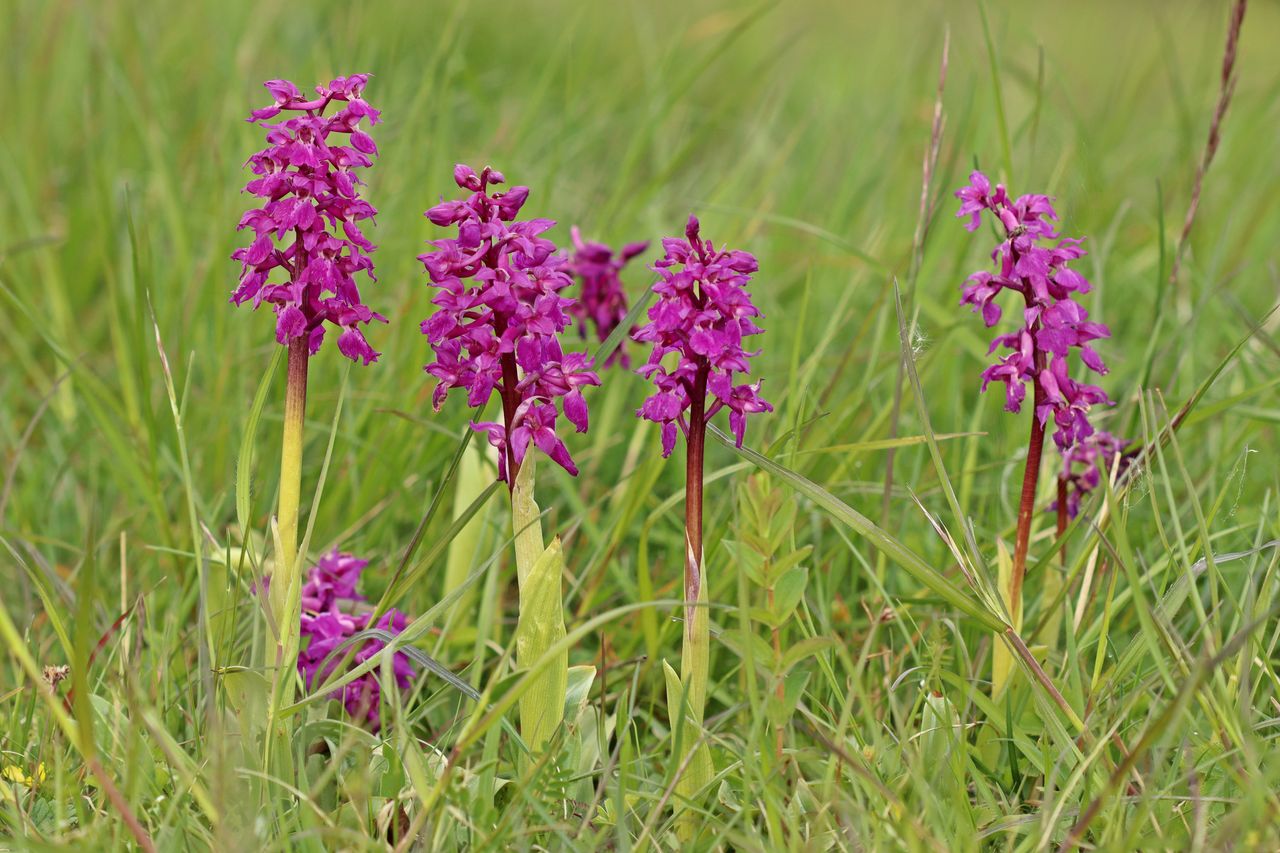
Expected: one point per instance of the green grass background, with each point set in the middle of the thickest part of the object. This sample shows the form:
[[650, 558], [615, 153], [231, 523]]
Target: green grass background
[[795, 130]]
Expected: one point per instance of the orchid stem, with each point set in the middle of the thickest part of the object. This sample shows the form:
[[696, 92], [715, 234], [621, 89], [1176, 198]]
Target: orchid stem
[[696, 648], [510, 402], [694, 655], [540, 625], [295, 404], [286, 584], [1026, 511]]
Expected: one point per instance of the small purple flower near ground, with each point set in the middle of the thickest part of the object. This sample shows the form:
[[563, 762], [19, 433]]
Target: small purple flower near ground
[[697, 326], [1053, 322], [310, 196], [499, 319], [330, 585], [1086, 463], [603, 300]]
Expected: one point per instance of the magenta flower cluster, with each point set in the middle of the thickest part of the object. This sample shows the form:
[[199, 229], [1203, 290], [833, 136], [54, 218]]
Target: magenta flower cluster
[[328, 620], [500, 313], [1086, 462], [1035, 263], [310, 197], [602, 302], [697, 326]]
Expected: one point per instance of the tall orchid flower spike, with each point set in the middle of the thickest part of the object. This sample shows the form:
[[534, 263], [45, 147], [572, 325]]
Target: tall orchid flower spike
[[696, 328], [603, 300], [496, 329], [1033, 261], [307, 243], [306, 251]]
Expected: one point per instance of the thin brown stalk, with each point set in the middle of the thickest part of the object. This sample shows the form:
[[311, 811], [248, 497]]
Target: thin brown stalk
[[1226, 88], [693, 495]]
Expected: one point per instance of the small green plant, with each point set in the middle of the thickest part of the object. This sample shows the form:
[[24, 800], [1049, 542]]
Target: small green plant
[[772, 644]]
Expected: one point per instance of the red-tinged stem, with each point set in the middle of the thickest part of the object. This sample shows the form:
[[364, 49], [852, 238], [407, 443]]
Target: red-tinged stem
[[693, 494], [510, 402], [1030, 479], [1026, 508]]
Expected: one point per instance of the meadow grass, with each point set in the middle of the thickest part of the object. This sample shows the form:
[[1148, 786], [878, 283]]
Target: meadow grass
[[140, 427]]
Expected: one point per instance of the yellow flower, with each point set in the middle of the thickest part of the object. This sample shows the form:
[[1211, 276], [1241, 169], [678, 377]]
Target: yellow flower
[[15, 774]]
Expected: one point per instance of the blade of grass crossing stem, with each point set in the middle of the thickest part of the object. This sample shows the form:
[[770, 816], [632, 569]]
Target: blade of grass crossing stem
[[324, 466]]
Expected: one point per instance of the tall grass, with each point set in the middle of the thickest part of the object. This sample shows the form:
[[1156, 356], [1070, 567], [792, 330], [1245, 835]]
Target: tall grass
[[134, 514]]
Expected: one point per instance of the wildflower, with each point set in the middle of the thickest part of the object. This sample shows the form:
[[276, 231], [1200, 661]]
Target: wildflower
[[697, 327], [1035, 262], [1085, 464], [500, 313], [53, 674], [1054, 325], [307, 242], [328, 601], [18, 776], [603, 301]]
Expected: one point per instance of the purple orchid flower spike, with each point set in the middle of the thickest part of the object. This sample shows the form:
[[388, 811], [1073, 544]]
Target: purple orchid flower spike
[[603, 300], [1054, 325], [500, 314], [308, 245], [307, 250], [696, 327], [329, 618], [1033, 261]]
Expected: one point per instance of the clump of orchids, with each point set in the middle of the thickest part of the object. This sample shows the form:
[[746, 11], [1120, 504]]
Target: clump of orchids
[[500, 312]]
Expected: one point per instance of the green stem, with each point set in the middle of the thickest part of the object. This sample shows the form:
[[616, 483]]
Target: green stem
[[541, 621], [286, 583]]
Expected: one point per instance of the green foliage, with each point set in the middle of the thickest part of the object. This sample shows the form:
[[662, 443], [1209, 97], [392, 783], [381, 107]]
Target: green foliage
[[135, 497]]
